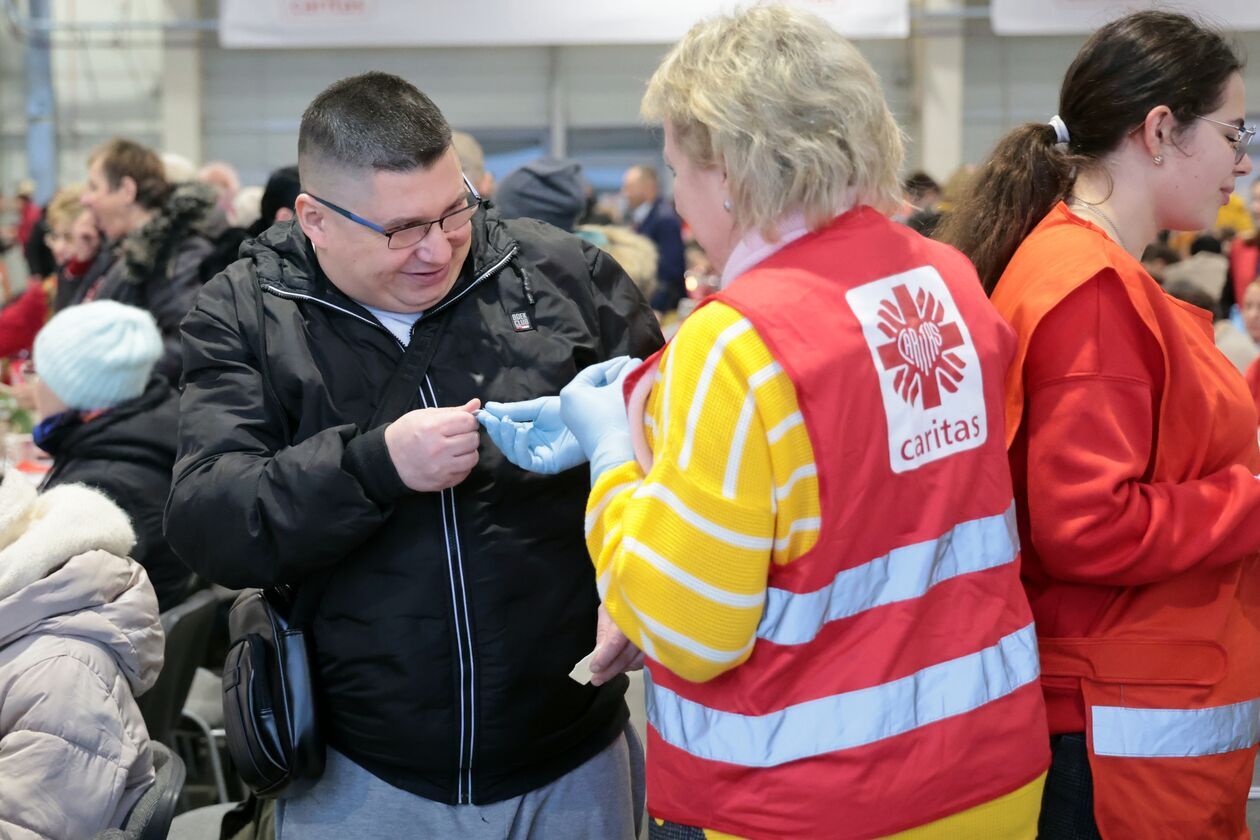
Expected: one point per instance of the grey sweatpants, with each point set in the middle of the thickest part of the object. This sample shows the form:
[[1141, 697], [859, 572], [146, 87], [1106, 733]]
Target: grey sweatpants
[[601, 800]]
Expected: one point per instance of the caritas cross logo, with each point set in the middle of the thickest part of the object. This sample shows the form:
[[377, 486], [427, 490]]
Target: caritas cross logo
[[930, 379], [918, 351]]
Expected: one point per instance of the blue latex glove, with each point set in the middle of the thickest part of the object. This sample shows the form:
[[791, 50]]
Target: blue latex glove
[[594, 409], [532, 435]]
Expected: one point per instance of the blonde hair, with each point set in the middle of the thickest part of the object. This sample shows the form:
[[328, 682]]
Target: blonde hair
[[634, 252], [178, 168], [65, 206], [247, 206], [788, 108], [222, 176]]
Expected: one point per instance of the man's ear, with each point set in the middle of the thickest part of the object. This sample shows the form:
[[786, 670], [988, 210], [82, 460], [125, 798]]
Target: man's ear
[[312, 218], [127, 186]]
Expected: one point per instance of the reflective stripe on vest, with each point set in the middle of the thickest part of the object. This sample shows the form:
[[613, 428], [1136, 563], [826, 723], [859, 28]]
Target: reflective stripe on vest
[[847, 720], [795, 618], [1175, 733]]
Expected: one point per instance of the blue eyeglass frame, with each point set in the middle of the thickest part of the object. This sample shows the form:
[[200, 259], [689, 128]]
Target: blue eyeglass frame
[[389, 234]]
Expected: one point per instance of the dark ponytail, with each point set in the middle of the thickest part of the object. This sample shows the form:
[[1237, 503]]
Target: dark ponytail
[[1025, 176], [1126, 69]]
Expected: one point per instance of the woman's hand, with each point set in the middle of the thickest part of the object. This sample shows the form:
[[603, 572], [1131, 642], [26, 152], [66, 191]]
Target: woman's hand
[[594, 409], [532, 435], [614, 653]]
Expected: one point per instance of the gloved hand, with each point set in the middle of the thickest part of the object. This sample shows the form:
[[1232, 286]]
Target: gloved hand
[[531, 435], [594, 409]]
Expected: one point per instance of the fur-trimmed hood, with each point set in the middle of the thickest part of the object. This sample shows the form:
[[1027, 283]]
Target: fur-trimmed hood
[[64, 571], [80, 638], [190, 210]]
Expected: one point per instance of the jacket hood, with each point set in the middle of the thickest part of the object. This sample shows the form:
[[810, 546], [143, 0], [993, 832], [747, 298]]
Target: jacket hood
[[64, 572], [190, 210]]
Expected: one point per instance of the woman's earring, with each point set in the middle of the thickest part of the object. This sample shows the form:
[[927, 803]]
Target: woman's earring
[[726, 205], [1159, 160]]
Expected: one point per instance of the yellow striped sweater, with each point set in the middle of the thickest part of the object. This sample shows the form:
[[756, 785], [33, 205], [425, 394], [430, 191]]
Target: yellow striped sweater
[[682, 554]]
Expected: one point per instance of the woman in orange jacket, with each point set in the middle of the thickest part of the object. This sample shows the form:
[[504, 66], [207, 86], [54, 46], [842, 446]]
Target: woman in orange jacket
[[1132, 440]]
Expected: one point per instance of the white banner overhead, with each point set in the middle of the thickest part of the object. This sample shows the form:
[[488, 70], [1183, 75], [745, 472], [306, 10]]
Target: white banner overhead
[[1078, 17], [451, 23]]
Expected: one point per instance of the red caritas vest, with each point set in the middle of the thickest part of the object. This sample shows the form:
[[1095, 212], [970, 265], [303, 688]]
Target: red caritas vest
[[894, 680], [1170, 672]]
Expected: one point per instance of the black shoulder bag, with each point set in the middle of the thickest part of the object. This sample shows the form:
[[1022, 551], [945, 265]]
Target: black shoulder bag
[[269, 709]]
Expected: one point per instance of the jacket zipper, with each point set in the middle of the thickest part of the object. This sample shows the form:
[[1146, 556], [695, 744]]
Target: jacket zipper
[[463, 630], [454, 552]]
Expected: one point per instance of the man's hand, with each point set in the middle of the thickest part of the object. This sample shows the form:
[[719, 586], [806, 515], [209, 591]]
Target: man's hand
[[434, 448], [614, 654]]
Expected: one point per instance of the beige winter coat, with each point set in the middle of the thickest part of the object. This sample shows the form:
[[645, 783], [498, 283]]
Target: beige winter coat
[[79, 636]]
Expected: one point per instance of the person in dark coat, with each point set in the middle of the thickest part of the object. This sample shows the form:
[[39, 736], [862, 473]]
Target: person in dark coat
[[276, 206], [452, 592], [655, 218], [158, 235], [108, 425], [549, 189]]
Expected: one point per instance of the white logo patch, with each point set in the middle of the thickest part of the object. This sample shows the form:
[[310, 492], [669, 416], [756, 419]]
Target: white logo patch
[[929, 373]]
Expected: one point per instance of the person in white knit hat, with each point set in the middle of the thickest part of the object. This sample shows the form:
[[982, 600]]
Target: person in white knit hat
[[110, 425]]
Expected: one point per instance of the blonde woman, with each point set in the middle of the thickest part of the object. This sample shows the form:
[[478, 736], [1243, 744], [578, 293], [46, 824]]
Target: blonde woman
[[73, 240], [807, 523]]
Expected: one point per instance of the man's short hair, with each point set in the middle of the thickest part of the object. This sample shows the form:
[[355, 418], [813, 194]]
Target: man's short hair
[[375, 121], [121, 158], [919, 184], [1160, 251], [1205, 242], [649, 174]]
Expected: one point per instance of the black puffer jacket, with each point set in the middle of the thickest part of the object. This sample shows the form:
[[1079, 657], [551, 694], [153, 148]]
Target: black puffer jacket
[[128, 455], [156, 265], [450, 621]]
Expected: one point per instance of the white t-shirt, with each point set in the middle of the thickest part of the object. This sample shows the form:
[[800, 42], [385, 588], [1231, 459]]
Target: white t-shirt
[[398, 323]]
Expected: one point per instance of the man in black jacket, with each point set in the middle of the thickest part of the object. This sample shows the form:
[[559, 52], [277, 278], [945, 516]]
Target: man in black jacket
[[454, 591], [157, 233], [655, 218]]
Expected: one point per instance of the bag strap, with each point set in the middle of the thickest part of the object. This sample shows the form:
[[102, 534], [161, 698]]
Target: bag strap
[[410, 373], [396, 401]]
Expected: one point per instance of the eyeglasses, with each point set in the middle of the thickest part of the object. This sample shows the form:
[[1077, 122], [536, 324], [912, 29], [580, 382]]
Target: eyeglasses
[[1240, 143], [410, 234]]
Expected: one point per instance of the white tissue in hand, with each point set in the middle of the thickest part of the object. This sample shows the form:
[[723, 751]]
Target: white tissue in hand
[[582, 671]]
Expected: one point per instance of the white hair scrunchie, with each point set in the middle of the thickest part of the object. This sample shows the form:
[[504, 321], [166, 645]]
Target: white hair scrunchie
[[1060, 130]]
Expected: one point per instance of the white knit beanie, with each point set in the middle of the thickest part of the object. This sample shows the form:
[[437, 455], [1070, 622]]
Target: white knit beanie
[[97, 355]]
